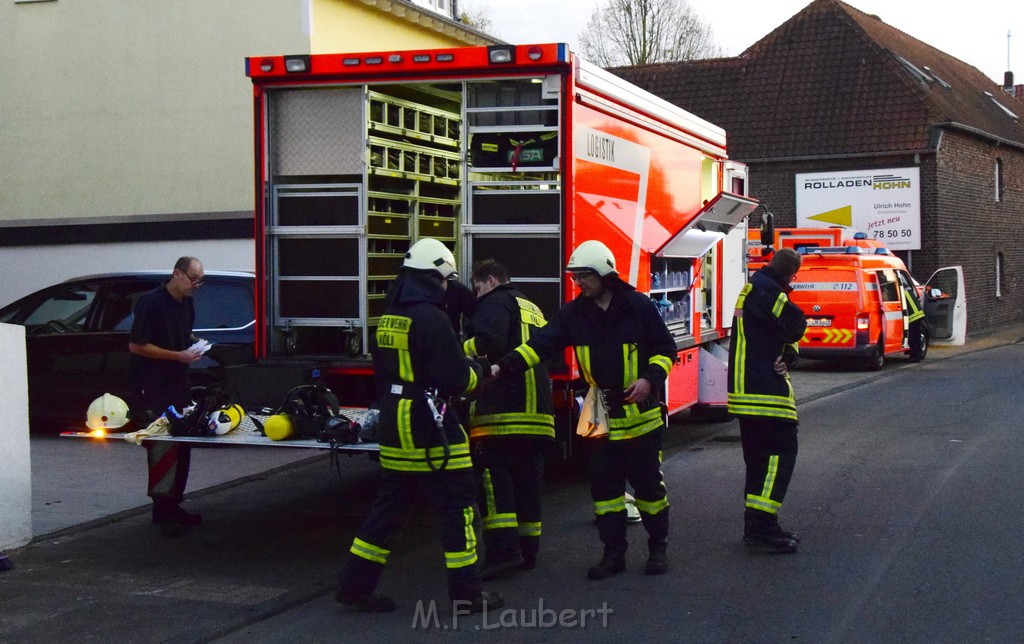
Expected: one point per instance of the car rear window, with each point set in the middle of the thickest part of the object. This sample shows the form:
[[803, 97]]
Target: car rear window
[[223, 305]]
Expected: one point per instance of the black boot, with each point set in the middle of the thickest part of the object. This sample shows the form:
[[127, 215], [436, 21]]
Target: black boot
[[495, 569], [484, 601], [657, 560], [613, 561], [762, 533], [365, 602]]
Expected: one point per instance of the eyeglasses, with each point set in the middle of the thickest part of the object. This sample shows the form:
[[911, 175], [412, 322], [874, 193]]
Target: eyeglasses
[[580, 276], [196, 281]]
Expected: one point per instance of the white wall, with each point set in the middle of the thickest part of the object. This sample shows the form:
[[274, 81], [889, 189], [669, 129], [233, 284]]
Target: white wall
[[16, 473], [30, 268]]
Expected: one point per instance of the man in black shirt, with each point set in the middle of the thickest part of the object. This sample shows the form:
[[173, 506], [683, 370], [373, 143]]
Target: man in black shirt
[[160, 343]]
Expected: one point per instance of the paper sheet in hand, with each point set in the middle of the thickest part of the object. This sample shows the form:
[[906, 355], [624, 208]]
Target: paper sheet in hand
[[202, 345]]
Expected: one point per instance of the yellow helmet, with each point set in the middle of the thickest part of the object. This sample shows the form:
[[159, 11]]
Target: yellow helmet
[[107, 412], [592, 255], [428, 254]]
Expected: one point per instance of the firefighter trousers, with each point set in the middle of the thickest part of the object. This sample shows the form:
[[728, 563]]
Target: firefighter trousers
[[637, 460], [451, 493], [510, 473], [769, 452]]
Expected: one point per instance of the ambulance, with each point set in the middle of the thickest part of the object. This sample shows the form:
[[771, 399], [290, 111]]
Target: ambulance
[[855, 298]]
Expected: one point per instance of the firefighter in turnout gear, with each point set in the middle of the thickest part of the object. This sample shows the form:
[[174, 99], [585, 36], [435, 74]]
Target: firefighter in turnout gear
[[915, 319], [419, 366], [510, 424], [625, 352], [765, 330]]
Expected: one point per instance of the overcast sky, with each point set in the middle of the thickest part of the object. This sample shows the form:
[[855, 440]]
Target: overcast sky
[[975, 31]]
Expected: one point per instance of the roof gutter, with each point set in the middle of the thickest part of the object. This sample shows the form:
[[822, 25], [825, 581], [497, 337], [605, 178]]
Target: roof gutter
[[434, 21], [829, 157], [967, 129]]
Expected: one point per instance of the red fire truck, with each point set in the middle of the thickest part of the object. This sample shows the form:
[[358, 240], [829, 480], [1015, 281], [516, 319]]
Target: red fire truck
[[513, 152]]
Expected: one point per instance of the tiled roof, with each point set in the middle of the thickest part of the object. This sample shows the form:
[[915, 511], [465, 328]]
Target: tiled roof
[[833, 80]]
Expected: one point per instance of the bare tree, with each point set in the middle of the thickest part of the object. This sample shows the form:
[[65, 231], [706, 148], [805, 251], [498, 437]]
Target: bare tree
[[475, 16], [638, 32]]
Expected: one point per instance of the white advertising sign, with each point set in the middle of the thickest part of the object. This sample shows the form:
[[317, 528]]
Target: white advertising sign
[[884, 204]]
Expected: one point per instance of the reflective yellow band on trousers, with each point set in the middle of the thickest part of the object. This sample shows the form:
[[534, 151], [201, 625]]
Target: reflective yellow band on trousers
[[369, 551]]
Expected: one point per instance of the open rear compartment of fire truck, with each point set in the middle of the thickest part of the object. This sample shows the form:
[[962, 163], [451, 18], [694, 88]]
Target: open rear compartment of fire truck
[[355, 174]]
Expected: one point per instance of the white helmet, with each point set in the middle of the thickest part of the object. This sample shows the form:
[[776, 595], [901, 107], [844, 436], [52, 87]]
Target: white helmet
[[428, 254], [107, 412], [219, 422], [594, 256]]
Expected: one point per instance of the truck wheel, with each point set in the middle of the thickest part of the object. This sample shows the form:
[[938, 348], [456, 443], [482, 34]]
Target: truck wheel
[[876, 360]]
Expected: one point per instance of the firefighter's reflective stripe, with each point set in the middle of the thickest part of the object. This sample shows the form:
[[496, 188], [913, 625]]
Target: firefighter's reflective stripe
[[764, 501], [369, 551], [513, 423], [469, 346], [472, 381], [618, 504], [466, 557], [651, 507], [530, 315], [416, 459], [528, 355], [780, 302], [393, 333], [662, 361], [583, 358], [529, 528], [763, 405], [629, 366], [913, 312], [492, 519], [404, 417], [634, 424], [739, 336]]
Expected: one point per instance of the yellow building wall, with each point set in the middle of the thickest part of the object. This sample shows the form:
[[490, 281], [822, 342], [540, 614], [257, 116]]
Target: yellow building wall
[[132, 108], [141, 109], [351, 25]]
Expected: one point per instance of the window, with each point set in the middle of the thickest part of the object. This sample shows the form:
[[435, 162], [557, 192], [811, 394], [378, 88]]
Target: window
[[67, 310], [999, 274], [221, 305], [887, 286], [999, 180], [119, 304]]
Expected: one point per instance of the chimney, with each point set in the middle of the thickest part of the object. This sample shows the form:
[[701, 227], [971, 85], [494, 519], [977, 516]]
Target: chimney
[[1007, 81]]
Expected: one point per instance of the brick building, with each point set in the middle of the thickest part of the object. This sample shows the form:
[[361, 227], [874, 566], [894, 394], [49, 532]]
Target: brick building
[[834, 89]]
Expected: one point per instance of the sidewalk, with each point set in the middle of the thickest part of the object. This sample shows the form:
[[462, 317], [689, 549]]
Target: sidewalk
[[265, 538]]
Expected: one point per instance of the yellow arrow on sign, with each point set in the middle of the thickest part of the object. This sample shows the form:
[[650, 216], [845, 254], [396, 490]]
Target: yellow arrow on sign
[[840, 216]]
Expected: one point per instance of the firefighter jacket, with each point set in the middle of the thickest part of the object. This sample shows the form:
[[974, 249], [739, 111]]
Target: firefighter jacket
[[766, 326], [911, 305], [519, 406], [415, 352], [614, 348]]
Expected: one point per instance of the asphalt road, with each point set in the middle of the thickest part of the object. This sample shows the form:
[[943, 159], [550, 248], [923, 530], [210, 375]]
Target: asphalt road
[[906, 497]]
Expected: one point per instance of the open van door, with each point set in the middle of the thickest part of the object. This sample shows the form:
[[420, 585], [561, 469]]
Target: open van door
[[945, 306]]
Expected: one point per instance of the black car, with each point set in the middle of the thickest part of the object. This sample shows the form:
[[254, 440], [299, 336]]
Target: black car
[[76, 336]]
